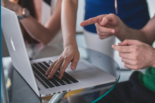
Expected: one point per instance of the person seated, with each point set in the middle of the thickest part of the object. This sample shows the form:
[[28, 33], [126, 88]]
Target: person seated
[[33, 30], [136, 52]]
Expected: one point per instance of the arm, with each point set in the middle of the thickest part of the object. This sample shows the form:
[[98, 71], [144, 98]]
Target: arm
[[146, 34], [70, 53], [68, 19], [110, 24], [44, 34], [135, 54], [39, 32]]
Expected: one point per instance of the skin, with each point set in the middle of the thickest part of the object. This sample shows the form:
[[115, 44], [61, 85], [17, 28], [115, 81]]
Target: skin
[[70, 53], [43, 34], [135, 50], [68, 11]]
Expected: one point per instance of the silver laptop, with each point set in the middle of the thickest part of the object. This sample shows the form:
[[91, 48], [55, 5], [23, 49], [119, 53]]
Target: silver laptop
[[85, 75]]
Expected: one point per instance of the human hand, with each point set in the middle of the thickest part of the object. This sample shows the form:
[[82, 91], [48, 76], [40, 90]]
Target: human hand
[[135, 54], [12, 6], [70, 54], [106, 25]]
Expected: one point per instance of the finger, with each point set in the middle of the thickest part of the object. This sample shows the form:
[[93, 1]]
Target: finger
[[127, 56], [104, 21], [130, 62], [104, 29], [125, 49], [50, 68], [131, 67], [92, 20], [75, 62], [130, 42], [103, 37], [103, 34], [63, 68], [122, 44], [108, 18], [55, 68]]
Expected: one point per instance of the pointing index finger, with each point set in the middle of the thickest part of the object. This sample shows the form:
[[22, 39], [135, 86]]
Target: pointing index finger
[[94, 20]]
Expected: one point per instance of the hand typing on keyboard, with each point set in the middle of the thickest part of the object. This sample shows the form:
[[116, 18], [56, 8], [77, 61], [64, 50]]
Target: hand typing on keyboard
[[40, 70], [70, 54]]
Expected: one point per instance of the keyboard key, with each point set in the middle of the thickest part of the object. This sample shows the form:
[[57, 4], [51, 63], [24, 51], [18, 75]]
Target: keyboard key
[[63, 78], [43, 79], [66, 80], [54, 82], [43, 66], [70, 77], [46, 64], [59, 80], [50, 62], [40, 70]]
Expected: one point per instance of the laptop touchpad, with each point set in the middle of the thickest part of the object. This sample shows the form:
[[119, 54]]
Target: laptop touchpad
[[81, 67]]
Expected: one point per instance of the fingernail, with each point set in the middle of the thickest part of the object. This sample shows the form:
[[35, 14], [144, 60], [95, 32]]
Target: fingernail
[[59, 76], [73, 67], [113, 46], [103, 21], [112, 31], [48, 77]]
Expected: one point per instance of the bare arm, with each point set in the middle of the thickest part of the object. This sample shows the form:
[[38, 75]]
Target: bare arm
[[108, 25], [134, 53], [43, 34], [146, 34], [70, 53], [68, 20]]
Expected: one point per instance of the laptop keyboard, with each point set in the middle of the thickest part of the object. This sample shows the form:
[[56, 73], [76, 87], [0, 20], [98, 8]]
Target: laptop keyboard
[[40, 70]]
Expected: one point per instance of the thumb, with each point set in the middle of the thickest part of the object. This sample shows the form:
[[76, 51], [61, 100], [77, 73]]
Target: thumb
[[110, 18], [104, 21], [74, 63]]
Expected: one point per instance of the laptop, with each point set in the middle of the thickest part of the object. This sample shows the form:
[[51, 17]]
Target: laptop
[[86, 75]]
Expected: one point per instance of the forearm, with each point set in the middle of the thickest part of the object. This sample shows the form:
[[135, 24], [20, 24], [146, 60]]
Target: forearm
[[129, 33], [36, 30], [68, 20], [44, 34], [146, 34], [54, 23]]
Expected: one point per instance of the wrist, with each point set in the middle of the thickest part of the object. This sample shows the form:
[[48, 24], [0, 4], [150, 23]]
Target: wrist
[[122, 29], [71, 44]]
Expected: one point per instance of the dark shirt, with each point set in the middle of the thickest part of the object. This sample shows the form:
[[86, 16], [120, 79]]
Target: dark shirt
[[134, 13]]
